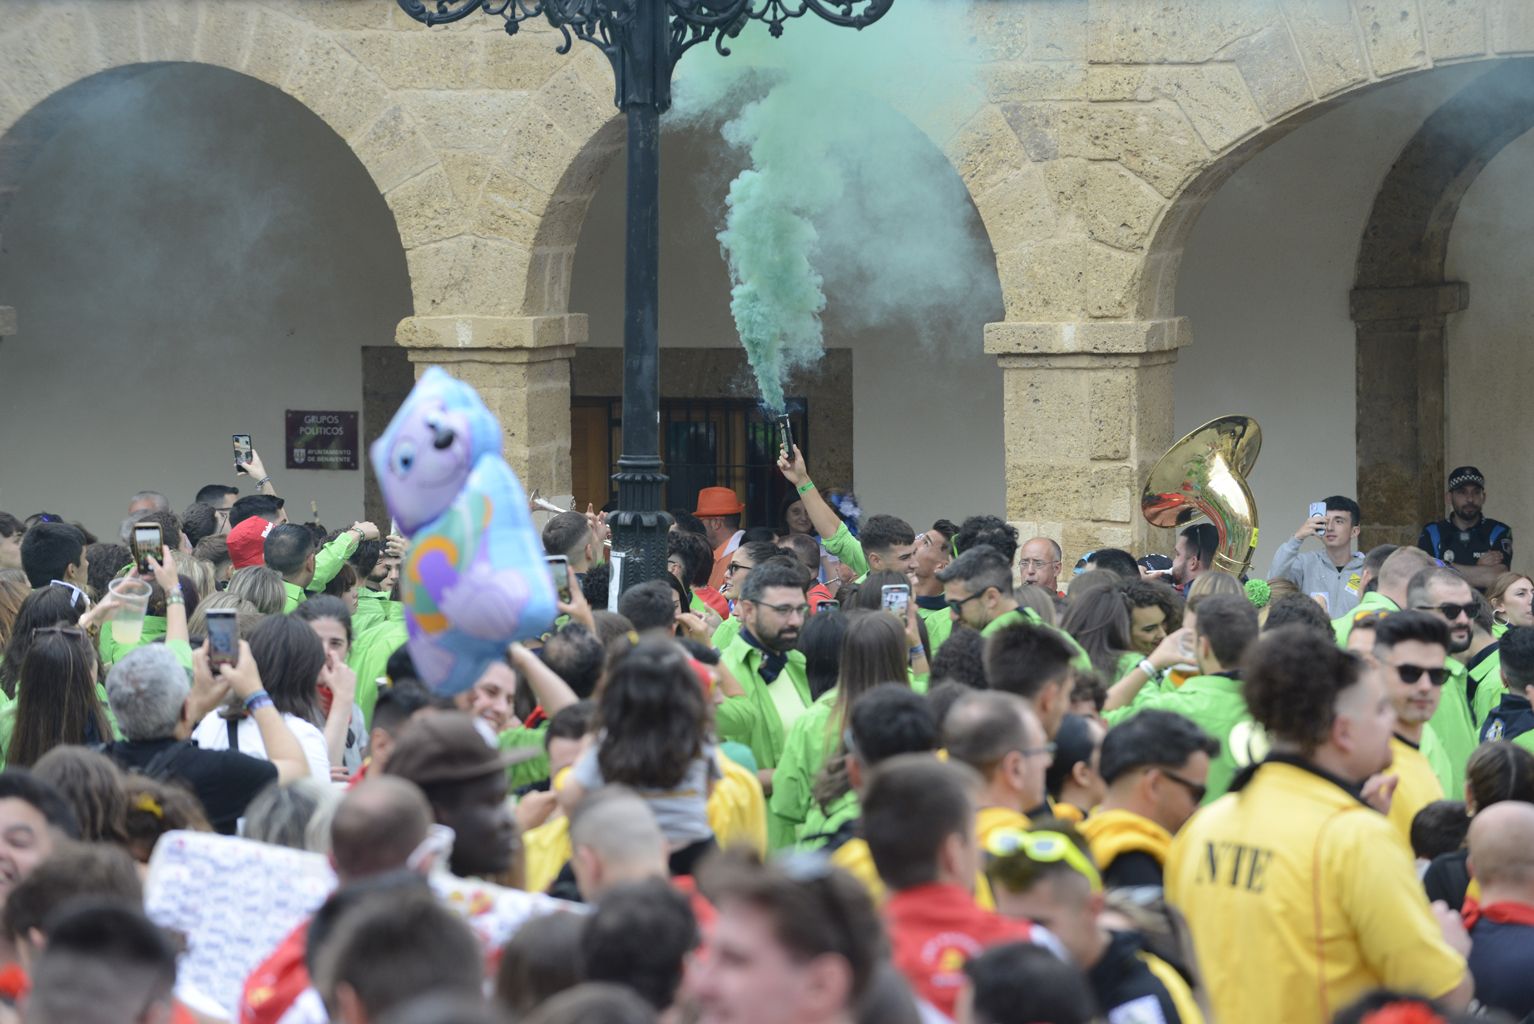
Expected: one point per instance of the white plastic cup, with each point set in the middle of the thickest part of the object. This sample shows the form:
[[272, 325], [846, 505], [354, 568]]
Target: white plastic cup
[[132, 596]]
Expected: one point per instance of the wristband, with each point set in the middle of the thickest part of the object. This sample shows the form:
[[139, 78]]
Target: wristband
[[918, 649], [175, 597], [264, 481], [1149, 669], [807, 487], [258, 700]]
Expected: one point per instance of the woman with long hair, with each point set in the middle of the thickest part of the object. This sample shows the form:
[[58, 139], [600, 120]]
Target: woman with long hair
[[93, 785], [654, 735], [1099, 620], [1512, 602], [56, 700], [812, 774], [292, 664], [332, 623], [260, 586], [14, 589]]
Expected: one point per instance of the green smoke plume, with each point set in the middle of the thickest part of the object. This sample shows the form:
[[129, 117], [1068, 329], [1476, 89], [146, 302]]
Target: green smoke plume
[[846, 191]]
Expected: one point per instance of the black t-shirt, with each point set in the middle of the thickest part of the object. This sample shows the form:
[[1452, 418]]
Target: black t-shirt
[[1135, 868], [1500, 955], [1123, 982], [1447, 542], [223, 780]]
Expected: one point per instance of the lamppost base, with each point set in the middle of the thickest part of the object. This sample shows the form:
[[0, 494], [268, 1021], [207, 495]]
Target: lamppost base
[[640, 526]]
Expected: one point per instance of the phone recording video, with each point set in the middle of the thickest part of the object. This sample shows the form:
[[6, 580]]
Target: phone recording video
[[559, 569], [147, 542], [895, 598], [223, 637], [242, 452]]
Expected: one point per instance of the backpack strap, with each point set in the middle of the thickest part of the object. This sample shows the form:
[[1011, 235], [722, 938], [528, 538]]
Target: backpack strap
[[233, 725], [1437, 541], [159, 765]]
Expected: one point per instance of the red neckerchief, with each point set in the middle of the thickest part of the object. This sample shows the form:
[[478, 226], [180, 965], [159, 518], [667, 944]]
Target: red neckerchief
[[1505, 912], [535, 717]]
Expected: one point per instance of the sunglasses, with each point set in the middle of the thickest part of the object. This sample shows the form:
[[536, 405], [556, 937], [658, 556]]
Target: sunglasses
[[958, 605], [1196, 790], [1044, 848], [76, 595], [1411, 673], [1449, 610]]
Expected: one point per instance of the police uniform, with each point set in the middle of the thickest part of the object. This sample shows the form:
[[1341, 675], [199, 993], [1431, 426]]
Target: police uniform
[[1445, 541]]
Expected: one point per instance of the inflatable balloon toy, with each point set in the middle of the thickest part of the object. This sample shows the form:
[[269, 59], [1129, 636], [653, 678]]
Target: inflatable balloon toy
[[474, 578]]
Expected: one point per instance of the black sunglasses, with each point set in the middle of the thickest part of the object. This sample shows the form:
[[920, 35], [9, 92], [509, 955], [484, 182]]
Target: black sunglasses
[[1449, 610], [1195, 790], [1412, 673]]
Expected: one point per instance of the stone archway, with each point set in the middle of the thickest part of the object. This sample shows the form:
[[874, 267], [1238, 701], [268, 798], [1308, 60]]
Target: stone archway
[[1402, 300]]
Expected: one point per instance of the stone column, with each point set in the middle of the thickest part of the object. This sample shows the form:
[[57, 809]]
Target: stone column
[[1088, 412], [521, 367], [1400, 410]]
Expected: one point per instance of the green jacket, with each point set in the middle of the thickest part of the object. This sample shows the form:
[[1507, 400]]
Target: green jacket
[[1080, 662], [293, 596], [1486, 673], [370, 655], [329, 559], [820, 824], [527, 772], [725, 635], [1373, 601], [1216, 705], [1454, 726], [939, 623], [370, 609], [112, 652], [809, 743], [845, 546], [752, 718]]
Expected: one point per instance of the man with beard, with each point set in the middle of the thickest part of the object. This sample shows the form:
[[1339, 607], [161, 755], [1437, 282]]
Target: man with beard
[[930, 557], [1194, 554], [1480, 548], [763, 659], [1444, 593]]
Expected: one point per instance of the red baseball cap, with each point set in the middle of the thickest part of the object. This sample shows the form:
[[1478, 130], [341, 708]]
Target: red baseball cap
[[247, 542]]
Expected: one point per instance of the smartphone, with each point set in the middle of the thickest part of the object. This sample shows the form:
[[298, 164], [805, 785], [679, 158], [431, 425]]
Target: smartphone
[[896, 598], [1318, 508], [242, 450], [223, 637], [828, 605], [559, 569], [786, 436], [147, 541]]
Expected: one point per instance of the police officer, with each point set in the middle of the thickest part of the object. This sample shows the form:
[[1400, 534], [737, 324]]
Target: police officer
[[1480, 548]]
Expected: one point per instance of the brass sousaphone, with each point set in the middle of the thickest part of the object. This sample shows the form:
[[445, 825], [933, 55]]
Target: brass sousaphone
[[1206, 473]]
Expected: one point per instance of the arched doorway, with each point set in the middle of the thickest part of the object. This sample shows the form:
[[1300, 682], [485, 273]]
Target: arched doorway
[[191, 253]]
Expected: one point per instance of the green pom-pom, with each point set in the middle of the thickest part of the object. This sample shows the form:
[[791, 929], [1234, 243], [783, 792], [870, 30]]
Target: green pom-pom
[[1259, 593]]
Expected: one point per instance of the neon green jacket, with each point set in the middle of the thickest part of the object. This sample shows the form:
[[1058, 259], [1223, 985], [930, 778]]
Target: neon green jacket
[[370, 655], [1080, 662], [1373, 601], [1454, 726], [370, 609], [805, 750], [752, 718], [1216, 705], [845, 546]]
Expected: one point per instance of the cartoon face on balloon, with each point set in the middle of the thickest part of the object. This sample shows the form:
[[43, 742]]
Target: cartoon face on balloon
[[474, 578]]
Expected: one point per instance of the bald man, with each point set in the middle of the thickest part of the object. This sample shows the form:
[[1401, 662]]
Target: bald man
[[1039, 562], [1502, 928], [1390, 594], [614, 839], [380, 826]]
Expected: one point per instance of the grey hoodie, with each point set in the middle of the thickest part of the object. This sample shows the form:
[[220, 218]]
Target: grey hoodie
[[1314, 573]]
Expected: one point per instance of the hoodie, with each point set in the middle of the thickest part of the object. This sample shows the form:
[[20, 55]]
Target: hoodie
[[1314, 573]]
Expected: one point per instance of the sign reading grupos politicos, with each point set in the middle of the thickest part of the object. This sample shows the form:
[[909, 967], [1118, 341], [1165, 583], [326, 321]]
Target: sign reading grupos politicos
[[321, 440]]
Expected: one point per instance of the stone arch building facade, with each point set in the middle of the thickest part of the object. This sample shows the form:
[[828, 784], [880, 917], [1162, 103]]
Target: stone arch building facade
[[1108, 124]]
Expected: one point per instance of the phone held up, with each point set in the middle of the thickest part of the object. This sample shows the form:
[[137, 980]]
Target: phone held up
[[896, 598], [223, 637], [242, 450], [1318, 508], [559, 569], [147, 541]]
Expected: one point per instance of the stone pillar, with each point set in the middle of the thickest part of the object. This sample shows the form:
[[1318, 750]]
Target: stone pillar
[[1400, 410], [1088, 412], [521, 367]]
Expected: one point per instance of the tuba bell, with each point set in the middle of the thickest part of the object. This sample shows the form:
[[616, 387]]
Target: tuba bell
[[1206, 473]]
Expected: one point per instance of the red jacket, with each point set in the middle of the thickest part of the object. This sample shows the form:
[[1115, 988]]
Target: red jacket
[[934, 930], [279, 980]]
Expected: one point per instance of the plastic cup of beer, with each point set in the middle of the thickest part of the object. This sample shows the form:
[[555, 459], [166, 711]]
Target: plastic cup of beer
[[132, 596]]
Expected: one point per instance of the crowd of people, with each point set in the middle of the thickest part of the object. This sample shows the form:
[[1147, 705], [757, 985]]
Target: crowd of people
[[837, 769]]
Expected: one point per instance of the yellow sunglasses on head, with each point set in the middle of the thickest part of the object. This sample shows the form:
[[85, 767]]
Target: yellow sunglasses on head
[[1044, 848]]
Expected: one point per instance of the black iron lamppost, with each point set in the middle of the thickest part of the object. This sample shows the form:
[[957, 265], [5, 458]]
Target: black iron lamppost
[[644, 39]]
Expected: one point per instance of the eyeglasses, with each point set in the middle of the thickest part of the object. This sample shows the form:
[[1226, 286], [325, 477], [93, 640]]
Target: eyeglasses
[[1449, 609], [76, 594], [1195, 789], [1044, 848], [734, 567], [1036, 563], [958, 605], [1412, 673], [787, 609], [1048, 748]]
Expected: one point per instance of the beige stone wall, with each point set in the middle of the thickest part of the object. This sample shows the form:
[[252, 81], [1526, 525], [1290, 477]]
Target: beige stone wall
[[1107, 125]]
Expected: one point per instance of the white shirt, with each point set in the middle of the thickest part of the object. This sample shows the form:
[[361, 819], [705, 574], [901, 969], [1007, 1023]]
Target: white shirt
[[212, 733]]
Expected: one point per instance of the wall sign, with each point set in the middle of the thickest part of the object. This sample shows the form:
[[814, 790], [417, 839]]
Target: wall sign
[[322, 440]]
